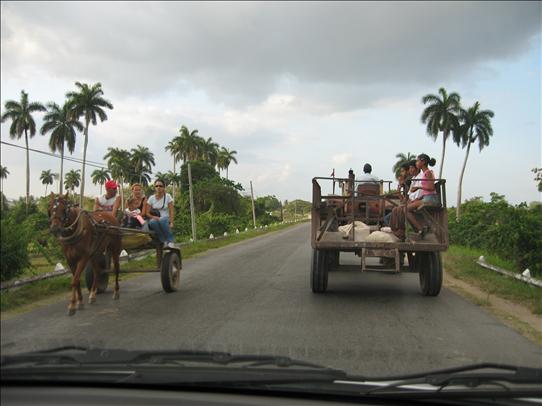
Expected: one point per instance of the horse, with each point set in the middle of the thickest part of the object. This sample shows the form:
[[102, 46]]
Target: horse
[[84, 236]]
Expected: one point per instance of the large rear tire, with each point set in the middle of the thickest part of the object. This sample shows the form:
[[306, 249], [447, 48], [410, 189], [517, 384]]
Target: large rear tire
[[103, 277], [170, 271], [429, 267], [319, 271]]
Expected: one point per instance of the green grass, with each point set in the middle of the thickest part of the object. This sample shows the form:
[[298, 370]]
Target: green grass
[[28, 296], [460, 262]]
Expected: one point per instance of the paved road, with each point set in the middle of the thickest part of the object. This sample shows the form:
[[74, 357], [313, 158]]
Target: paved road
[[254, 297]]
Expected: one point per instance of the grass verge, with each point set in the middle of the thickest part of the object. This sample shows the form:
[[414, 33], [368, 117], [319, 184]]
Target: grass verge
[[460, 263], [36, 294]]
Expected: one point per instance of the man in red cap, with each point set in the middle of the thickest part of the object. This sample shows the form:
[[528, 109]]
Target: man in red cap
[[110, 201]]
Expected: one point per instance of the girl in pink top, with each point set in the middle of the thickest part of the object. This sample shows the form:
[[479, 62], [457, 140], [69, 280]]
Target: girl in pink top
[[428, 194]]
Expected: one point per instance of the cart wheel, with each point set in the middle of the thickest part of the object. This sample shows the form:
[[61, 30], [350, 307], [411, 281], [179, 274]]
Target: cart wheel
[[429, 266], [333, 259], [319, 271], [103, 277], [170, 271]]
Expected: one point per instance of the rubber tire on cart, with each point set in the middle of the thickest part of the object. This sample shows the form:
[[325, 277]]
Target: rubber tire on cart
[[333, 259], [103, 278], [429, 267], [319, 271], [170, 271]]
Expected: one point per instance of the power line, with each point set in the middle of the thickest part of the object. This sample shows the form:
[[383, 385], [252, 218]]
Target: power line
[[67, 158], [93, 164]]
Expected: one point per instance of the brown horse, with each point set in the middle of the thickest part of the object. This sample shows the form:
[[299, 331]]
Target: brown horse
[[84, 237]]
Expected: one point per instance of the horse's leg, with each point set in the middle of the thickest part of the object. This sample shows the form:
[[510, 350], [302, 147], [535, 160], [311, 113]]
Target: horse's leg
[[80, 303], [115, 253], [76, 278], [94, 289]]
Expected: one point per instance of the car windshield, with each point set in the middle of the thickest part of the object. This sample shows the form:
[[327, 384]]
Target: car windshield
[[345, 187]]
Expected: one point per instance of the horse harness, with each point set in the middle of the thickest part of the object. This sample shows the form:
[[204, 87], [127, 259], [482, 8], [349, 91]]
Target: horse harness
[[77, 226]]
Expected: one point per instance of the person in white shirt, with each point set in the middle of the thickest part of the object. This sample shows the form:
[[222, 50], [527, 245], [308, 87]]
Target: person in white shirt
[[110, 201], [159, 210], [367, 176]]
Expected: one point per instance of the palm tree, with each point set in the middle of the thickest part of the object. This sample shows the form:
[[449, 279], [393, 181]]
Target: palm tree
[[3, 175], [47, 178], [441, 116], [100, 176], [175, 148], [118, 162], [22, 122], [142, 160], [209, 151], [174, 179], [475, 126], [88, 102], [72, 180], [401, 160], [190, 142], [62, 126], [225, 158]]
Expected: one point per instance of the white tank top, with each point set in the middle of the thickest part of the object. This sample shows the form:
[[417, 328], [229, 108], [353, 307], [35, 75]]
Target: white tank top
[[106, 204]]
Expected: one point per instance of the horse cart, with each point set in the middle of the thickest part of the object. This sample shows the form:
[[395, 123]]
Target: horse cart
[[168, 260], [346, 222]]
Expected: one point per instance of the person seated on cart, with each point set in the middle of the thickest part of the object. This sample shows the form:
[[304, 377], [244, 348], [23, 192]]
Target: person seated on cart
[[109, 201], [135, 206], [368, 182], [159, 210], [422, 191]]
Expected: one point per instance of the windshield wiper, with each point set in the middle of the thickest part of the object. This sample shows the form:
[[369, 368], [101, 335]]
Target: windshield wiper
[[470, 376], [94, 356]]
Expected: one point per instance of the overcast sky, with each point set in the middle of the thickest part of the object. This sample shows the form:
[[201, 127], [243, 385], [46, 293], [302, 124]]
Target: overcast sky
[[296, 88]]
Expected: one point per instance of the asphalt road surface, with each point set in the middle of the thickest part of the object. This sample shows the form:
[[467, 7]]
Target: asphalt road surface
[[255, 297]]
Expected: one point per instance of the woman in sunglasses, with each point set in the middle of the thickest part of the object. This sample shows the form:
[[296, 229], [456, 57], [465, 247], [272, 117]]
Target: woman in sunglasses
[[159, 211]]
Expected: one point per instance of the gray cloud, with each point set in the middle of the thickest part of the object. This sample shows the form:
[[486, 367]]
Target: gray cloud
[[344, 54]]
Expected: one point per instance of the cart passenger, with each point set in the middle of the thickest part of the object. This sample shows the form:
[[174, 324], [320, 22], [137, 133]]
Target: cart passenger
[[135, 207], [159, 210], [109, 201]]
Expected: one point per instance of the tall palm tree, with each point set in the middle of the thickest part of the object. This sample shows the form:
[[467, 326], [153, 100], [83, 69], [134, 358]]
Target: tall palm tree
[[22, 122], [47, 178], [118, 162], [190, 141], [225, 158], [100, 176], [62, 126], [3, 175], [209, 151], [87, 102], [142, 160], [441, 116], [72, 180], [401, 160], [475, 126], [174, 179], [175, 148]]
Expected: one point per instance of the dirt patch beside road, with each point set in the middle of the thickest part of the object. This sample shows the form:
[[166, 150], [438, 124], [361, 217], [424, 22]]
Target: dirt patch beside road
[[518, 317]]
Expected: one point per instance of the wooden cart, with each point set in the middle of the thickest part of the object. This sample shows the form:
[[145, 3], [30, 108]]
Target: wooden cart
[[168, 260], [366, 202]]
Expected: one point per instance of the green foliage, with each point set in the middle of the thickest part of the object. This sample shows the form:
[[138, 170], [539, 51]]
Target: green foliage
[[13, 253], [507, 231], [200, 171]]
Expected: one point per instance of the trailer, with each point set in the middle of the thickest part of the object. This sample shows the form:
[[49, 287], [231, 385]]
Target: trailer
[[366, 203]]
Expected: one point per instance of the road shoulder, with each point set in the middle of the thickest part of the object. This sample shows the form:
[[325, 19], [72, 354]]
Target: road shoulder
[[518, 317]]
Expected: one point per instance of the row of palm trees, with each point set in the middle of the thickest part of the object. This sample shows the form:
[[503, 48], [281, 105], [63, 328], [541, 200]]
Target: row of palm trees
[[86, 103], [189, 146]]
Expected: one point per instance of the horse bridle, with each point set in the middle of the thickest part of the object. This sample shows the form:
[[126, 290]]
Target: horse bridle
[[65, 214]]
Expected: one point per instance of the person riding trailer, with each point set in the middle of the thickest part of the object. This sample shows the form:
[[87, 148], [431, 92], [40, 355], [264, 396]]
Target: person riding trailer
[[109, 201]]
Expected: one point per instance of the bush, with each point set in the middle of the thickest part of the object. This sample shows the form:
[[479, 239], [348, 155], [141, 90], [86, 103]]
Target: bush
[[513, 232], [13, 252]]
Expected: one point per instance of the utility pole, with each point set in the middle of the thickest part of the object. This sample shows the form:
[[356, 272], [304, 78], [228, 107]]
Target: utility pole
[[295, 210], [192, 215], [281, 212], [253, 208]]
